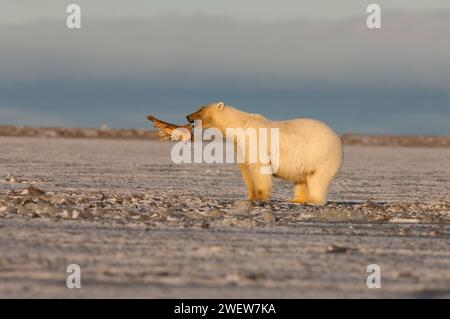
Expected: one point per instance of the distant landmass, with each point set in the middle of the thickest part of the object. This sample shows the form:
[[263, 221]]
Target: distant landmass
[[109, 133]]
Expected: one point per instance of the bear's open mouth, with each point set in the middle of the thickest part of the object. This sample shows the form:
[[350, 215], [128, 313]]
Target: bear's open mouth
[[189, 119]]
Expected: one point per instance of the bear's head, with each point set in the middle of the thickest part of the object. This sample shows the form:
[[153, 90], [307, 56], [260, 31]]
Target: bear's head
[[210, 115]]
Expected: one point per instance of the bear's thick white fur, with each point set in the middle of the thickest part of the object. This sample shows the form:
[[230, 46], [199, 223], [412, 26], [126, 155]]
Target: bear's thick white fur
[[310, 152]]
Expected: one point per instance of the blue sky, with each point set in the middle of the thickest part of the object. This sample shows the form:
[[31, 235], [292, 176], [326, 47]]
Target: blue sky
[[282, 59]]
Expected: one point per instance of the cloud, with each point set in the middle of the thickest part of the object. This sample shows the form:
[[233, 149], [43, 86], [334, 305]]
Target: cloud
[[410, 51], [393, 80], [248, 10]]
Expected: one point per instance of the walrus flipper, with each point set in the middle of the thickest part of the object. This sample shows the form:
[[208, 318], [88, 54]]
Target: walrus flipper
[[165, 130]]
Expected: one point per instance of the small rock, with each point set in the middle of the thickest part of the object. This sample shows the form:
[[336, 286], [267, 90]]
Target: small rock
[[66, 214], [243, 206], [76, 214], [255, 275], [371, 204], [4, 210], [57, 200], [407, 220], [171, 218], [215, 213], [52, 210], [87, 215], [247, 223], [12, 179], [337, 249], [33, 191], [379, 218], [205, 225], [136, 216], [46, 215], [427, 219], [404, 232], [28, 208], [396, 209], [434, 233], [167, 214], [268, 217]]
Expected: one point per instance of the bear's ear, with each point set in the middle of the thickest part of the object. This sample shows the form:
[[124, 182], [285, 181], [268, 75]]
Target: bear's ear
[[220, 105]]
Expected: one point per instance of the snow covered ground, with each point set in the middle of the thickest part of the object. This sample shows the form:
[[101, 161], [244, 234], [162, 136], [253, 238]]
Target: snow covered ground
[[140, 226]]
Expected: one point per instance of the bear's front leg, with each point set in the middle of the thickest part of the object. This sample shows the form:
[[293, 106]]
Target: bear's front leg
[[262, 183], [245, 171]]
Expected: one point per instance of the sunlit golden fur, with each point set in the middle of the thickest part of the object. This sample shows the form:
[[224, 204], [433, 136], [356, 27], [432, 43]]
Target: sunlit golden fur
[[310, 153]]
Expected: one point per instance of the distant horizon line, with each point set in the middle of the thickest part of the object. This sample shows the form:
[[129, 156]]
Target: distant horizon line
[[362, 139], [106, 127]]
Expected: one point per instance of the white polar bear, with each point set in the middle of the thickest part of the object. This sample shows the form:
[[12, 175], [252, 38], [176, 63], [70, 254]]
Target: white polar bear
[[310, 152]]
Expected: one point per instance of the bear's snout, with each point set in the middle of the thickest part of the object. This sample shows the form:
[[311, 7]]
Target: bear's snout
[[193, 116]]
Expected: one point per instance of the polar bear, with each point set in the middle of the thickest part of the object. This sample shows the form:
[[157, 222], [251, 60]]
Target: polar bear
[[309, 154]]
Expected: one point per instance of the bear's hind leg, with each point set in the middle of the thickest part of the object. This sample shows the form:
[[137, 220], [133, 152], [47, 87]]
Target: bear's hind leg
[[318, 183], [262, 182], [301, 193]]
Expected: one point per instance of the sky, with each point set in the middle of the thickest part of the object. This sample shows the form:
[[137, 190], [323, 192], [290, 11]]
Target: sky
[[284, 59]]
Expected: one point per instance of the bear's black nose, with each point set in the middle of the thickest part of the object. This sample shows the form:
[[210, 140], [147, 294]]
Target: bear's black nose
[[189, 119]]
